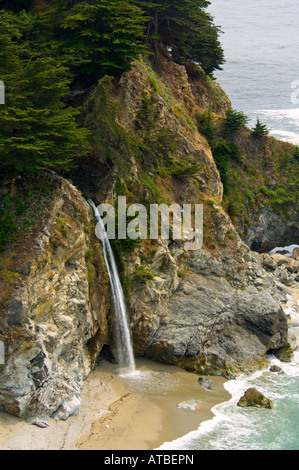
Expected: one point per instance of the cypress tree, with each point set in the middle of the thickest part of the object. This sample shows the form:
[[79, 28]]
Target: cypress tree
[[93, 37], [184, 30], [260, 129], [37, 130]]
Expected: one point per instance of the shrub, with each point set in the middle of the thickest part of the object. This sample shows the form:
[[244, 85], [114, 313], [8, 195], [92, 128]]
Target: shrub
[[260, 129], [234, 120]]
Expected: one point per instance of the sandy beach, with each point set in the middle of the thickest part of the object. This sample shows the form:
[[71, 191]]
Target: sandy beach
[[161, 404]]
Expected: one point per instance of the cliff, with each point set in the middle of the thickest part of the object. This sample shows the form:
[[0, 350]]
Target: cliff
[[214, 311], [55, 301]]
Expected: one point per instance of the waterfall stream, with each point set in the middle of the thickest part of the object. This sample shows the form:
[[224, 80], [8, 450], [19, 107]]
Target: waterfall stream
[[125, 356]]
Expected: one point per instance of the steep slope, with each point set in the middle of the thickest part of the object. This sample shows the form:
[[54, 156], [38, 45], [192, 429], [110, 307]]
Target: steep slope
[[214, 310], [54, 301]]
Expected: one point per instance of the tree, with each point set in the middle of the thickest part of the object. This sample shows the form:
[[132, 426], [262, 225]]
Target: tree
[[185, 31], [260, 129], [234, 120], [37, 130], [94, 38], [16, 5]]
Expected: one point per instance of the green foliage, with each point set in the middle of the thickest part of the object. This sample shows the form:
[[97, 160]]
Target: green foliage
[[93, 38], [179, 168], [278, 196], [147, 115], [19, 214], [234, 120], [37, 130], [206, 126], [47, 53], [143, 274], [260, 129], [149, 184], [110, 140], [224, 152], [185, 30], [157, 144]]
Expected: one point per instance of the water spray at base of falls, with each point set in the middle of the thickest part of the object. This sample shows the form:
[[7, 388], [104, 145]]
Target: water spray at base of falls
[[125, 355]]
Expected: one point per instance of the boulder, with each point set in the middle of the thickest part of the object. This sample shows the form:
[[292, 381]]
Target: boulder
[[252, 397], [295, 254], [206, 383], [293, 265], [275, 368]]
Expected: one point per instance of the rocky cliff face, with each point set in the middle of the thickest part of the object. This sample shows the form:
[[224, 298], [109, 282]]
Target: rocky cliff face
[[216, 310], [213, 313], [269, 229], [54, 321]]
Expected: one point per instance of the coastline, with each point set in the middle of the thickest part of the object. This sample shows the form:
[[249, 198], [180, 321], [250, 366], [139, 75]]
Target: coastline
[[162, 404], [113, 416]]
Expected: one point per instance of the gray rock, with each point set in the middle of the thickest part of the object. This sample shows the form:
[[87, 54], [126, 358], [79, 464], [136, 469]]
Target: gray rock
[[52, 316], [269, 230], [253, 398], [216, 321], [206, 383], [15, 313], [275, 368]]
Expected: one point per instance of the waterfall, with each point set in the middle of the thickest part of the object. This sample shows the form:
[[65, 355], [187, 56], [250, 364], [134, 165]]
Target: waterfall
[[125, 356]]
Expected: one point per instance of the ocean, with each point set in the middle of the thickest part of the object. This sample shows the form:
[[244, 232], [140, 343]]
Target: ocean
[[261, 77], [261, 74], [235, 428]]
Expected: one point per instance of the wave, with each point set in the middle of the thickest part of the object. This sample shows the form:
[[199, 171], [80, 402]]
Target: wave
[[292, 113], [289, 122], [285, 250], [251, 429]]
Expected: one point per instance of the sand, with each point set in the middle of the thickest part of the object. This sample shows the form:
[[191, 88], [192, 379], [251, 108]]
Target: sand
[[161, 404]]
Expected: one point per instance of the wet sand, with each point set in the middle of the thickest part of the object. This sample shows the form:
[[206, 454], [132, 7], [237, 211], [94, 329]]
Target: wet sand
[[161, 404]]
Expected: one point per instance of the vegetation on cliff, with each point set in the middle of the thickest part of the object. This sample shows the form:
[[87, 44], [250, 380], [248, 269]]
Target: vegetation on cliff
[[50, 50], [60, 62]]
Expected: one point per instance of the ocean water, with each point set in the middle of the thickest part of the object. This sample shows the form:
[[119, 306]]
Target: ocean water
[[261, 74], [235, 428], [261, 77]]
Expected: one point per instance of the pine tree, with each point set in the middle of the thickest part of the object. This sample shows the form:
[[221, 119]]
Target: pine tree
[[185, 31], [37, 130], [234, 120], [94, 38], [260, 129]]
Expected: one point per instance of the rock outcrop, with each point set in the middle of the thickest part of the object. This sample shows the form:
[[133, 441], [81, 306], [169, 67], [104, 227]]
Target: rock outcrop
[[216, 310], [252, 397], [210, 314], [55, 321], [269, 230]]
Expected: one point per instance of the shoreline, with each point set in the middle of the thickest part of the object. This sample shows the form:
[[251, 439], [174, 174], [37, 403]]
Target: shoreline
[[161, 404], [123, 414]]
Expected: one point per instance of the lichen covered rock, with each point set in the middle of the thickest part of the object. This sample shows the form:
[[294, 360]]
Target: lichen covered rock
[[252, 397], [53, 311]]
